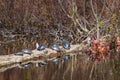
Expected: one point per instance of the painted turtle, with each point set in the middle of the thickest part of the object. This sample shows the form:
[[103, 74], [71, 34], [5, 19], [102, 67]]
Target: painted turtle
[[55, 47], [19, 53], [27, 51], [41, 47], [66, 45]]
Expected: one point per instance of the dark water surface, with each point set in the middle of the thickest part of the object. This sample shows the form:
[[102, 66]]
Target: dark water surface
[[52, 71], [75, 69]]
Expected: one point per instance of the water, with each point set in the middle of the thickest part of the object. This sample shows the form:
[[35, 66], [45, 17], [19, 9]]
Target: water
[[77, 68], [51, 71]]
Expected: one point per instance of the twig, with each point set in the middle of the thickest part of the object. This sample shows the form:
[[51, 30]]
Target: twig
[[72, 67], [90, 76]]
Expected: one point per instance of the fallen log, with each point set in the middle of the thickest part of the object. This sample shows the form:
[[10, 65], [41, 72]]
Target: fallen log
[[10, 61]]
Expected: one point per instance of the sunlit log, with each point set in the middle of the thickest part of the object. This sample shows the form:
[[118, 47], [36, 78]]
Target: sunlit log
[[10, 61]]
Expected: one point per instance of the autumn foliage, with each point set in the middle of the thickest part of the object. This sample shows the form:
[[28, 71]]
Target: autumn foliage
[[97, 51], [118, 43]]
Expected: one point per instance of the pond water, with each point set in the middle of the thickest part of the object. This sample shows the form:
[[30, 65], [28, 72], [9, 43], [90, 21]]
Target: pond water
[[61, 70], [76, 68]]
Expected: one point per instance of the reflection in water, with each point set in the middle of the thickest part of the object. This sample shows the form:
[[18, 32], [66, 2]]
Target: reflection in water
[[49, 72], [66, 58], [27, 65], [40, 64], [74, 69], [56, 60]]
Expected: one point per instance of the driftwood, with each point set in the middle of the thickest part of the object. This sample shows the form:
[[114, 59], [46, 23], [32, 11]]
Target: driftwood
[[10, 61]]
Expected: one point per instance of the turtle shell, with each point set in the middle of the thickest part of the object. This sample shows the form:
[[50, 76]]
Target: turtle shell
[[66, 45], [27, 51], [55, 47], [41, 47], [19, 53]]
